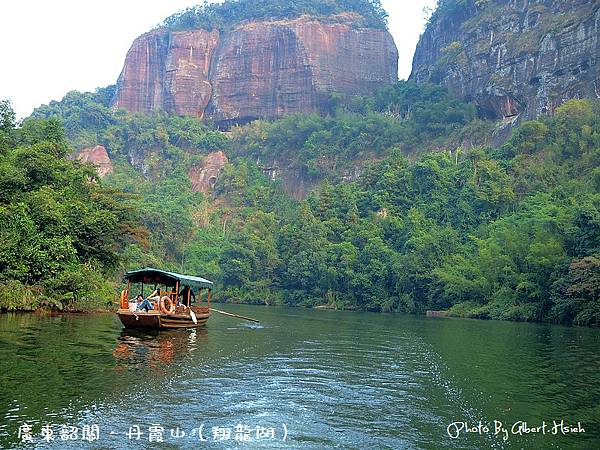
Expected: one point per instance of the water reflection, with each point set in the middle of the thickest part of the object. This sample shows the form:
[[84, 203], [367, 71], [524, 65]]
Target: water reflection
[[336, 379], [155, 350]]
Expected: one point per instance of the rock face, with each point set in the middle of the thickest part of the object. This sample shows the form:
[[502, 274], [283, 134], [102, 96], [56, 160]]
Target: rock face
[[98, 156], [298, 183], [168, 71], [257, 70], [294, 181], [204, 176], [515, 58]]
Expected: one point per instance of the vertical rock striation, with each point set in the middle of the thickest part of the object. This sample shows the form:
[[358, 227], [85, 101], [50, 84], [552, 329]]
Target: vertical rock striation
[[515, 58], [262, 71], [186, 74], [168, 71], [140, 87], [257, 70]]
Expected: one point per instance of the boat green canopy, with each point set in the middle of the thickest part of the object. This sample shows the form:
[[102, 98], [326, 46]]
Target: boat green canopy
[[156, 276]]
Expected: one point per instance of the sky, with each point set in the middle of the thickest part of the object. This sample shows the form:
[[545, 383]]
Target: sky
[[49, 48]]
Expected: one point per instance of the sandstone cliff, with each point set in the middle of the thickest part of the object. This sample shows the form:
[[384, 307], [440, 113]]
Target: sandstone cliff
[[203, 177], [257, 70], [168, 71], [515, 58], [98, 156]]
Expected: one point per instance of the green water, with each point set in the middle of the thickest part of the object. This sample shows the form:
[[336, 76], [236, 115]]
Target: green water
[[332, 379]]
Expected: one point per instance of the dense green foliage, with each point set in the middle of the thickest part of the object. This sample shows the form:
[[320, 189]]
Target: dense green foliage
[[509, 233], [505, 233], [361, 129], [82, 114], [231, 12], [151, 155], [61, 232]]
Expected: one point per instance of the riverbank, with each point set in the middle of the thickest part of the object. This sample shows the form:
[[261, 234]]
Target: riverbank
[[16, 297], [41, 311], [91, 294], [466, 310]]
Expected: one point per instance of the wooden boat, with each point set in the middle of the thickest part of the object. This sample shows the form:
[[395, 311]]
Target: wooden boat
[[169, 312]]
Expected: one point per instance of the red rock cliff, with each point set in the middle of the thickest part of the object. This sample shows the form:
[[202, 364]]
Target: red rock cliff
[[257, 70], [204, 176], [98, 156], [168, 71]]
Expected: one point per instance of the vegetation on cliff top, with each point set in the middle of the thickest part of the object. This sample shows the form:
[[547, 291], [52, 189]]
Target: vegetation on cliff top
[[231, 12]]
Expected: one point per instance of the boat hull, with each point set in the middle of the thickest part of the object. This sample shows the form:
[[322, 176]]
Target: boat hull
[[158, 321]]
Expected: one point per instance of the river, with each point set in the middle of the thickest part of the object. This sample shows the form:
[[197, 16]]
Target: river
[[300, 379]]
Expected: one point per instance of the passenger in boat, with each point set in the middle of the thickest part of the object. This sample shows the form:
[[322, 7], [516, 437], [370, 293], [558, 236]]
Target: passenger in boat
[[134, 302], [184, 296], [147, 303]]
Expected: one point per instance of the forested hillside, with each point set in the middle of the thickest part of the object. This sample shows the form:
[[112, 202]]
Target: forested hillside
[[437, 219], [62, 233]]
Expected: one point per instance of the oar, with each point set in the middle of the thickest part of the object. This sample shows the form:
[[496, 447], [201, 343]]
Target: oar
[[234, 315]]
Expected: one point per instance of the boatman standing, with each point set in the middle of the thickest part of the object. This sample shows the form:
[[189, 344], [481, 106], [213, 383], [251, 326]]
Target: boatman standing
[[186, 294]]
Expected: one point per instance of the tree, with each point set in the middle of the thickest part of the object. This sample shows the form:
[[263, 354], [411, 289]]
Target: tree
[[577, 294], [7, 125], [57, 223], [7, 116]]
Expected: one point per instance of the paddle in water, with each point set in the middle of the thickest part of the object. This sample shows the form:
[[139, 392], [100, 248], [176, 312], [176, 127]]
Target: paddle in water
[[235, 315]]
